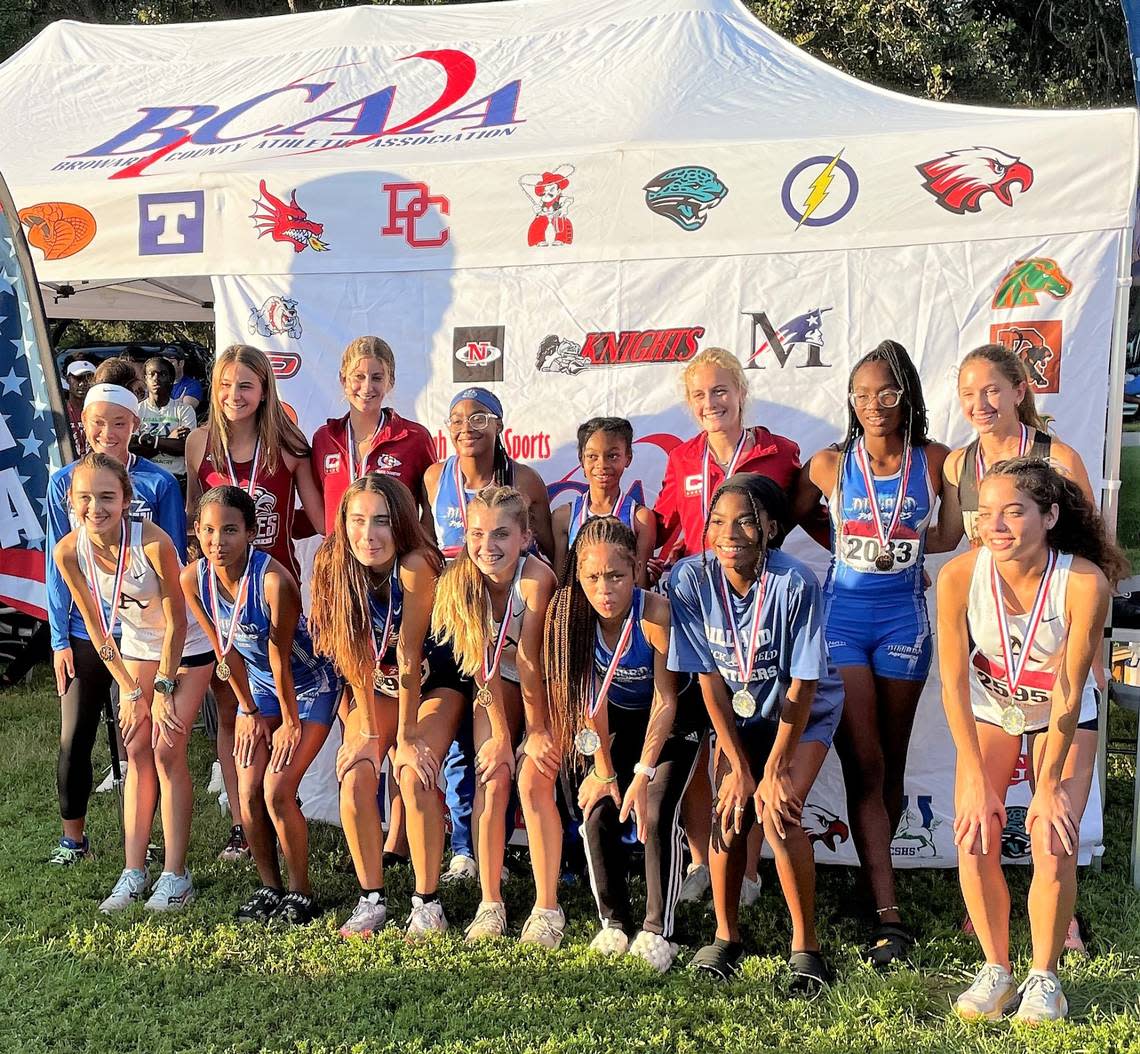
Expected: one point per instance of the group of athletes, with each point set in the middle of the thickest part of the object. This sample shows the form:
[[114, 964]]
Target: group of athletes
[[670, 668]]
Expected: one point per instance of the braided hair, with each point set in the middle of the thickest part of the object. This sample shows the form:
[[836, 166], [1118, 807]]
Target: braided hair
[[571, 625], [763, 495]]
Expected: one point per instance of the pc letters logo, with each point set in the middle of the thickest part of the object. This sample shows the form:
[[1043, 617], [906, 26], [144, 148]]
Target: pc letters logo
[[477, 354], [172, 224]]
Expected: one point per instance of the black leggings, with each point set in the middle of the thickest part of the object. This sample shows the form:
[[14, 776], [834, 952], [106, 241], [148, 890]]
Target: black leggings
[[81, 709], [608, 857]]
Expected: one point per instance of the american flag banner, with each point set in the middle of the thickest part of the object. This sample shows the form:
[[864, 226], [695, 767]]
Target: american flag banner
[[30, 407]]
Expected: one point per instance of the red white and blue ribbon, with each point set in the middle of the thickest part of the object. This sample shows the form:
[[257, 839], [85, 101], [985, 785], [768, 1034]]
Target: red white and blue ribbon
[[743, 667], [491, 656], [620, 649], [1023, 445], [730, 468], [106, 623], [584, 510], [251, 487], [379, 650], [883, 533], [227, 641], [353, 474], [1013, 674]]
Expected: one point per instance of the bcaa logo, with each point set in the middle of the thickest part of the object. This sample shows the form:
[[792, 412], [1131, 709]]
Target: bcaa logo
[[162, 129]]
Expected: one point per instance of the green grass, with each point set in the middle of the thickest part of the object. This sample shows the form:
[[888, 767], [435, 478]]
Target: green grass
[[73, 981], [1128, 516]]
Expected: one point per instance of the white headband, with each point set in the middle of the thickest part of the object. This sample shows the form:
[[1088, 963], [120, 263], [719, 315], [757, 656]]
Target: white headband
[[112, 393]]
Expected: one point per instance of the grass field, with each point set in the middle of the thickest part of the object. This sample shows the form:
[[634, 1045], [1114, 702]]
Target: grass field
[[73, 981], [1128, 518]]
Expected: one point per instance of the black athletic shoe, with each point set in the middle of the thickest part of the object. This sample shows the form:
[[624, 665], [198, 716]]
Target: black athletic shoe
[[297, 909], [261, 906]]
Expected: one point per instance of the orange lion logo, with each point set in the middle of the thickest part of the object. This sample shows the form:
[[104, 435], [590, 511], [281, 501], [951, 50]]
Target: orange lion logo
[[58, 228]]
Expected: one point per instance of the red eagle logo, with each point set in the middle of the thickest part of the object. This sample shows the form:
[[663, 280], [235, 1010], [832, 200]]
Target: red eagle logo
[[960, 179], [286, 222]]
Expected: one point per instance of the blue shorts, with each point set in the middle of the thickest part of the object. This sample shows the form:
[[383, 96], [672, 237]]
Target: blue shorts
[[890, 636], [316, 703]]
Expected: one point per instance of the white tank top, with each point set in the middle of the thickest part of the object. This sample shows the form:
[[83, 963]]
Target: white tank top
[[989, 690], [516, 609]]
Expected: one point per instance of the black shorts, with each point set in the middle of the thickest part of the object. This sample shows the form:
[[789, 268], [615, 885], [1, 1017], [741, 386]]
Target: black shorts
[[438, 670]]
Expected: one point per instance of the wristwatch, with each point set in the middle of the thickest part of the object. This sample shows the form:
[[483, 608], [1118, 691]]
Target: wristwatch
[[165, 685], [648, 771]]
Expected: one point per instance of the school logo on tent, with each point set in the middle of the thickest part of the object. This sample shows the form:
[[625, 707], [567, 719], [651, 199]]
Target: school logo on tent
[[58, 228], [685, 195], [1015, 842], [632, 347], [1028, 280], [408, 205], [819, 191], [477, 354], [824, 827], [768, 342], [172, 223], [286, 222], [546, 192], [960, 179], [1038, 344], [915, 836]]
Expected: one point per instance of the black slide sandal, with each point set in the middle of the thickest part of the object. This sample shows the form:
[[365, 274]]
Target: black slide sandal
[[809, 972], [721, 959], [891, 942]]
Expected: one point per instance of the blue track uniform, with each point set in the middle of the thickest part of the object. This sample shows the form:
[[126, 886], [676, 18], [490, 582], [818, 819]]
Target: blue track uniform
[[316, 684], [625, 512], [877, 618]]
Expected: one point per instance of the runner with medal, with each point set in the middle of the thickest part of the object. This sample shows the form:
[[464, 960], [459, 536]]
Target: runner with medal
[[615, 712], [748, 618], [881, 484], [378, 572], [1020, 623]]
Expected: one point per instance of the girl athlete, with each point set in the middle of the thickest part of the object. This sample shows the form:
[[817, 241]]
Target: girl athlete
[[614, 705], [490, 606], [378, 574], [878, 632], [605, 451], [1020, 621], [748, 619], [123, 572], [250, 608], [250, 442], [475, 424], [83, 682]]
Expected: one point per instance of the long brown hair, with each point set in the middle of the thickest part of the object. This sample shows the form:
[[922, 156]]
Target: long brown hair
[[94, 461], [274, 429], [462, 614], [1079, 528], [571, 623], [1009, 365], [340, 621]]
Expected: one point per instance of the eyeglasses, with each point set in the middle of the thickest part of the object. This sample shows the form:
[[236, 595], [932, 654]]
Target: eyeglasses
[[476, 422], [888, 398]]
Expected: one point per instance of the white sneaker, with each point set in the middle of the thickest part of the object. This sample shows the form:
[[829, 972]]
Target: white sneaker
[[368, 916], [610, 940], [654, 949], [544, 926], [425, 919], [1041, 998], [108, 783], [750, 891], [224, 803], [461, 867], [696, 884], [130, 889], [171, 892], [216, 784], [490, 921], [989, 993]]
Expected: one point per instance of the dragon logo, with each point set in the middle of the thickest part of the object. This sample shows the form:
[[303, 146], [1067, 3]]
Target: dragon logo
[[1025, 282], [685, 194], [59, 228], [286, 222], [277, 315], [824, 826], [959, 179], [1038, 344]]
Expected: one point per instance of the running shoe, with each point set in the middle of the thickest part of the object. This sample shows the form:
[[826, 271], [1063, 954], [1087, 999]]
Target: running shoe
[[237, 848], [610, 941], [544, 926], [367, 917], [696, 884], [425, 919], [260, 906], [749, 891], [70, 852], [216, 784], [654, 949], [108, 783], [490, 921], [130, 889], [461, 868], [989, 993], [298, 909], [171, 892], [1041, 998]]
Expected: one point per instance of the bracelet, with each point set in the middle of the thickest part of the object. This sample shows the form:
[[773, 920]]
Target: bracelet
[[889, 907], [603, 779], [135, 695], [365, 735], [248, 713]]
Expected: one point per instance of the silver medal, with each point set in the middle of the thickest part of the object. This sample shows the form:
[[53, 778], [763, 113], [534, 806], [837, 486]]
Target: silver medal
[[743, 705], [587, 742], [1013, 720]]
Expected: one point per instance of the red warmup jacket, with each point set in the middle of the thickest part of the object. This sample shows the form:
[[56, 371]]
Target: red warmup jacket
[[402, 448]]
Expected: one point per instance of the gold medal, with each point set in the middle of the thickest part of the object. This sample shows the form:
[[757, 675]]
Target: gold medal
[[222, 670], [1013, 720], [378, 678], [885, 561], [743, 705], [587, 742], [107, 652], [483, 696]]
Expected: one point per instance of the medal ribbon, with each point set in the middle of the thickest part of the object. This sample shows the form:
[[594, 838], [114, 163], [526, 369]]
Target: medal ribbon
[[227, 642], [460, 494], [620, 649], [861, 459], [491, 661], [251, 487], [379, 649], [730, 468], [745, 670], [106, 623], [353, 475], [1023, 445], [1014, 674], [584, 511]]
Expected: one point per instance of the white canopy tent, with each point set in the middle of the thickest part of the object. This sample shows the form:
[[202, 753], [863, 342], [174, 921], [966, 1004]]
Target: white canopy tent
[[565, 201]]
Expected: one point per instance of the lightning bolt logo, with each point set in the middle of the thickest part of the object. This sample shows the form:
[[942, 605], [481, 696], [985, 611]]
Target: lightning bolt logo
[[818, 191]]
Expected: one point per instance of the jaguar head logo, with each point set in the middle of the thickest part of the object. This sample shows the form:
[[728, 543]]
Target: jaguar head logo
[[685, 194], [286, 222], [1027, 280], [959, 179]]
